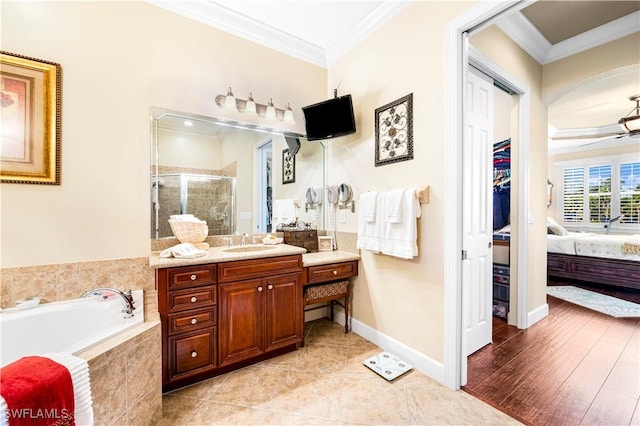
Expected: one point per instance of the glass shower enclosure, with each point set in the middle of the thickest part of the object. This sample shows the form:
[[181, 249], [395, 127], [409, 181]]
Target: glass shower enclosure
[[207, 197]]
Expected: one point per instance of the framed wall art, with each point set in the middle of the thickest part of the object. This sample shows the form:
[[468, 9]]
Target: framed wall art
[[30, 108], [394, 131], [288, 167]]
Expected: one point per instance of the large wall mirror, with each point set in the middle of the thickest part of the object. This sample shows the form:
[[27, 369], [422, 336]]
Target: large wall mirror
[[229, 173]]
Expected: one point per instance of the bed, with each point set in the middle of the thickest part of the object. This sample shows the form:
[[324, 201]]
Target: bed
[[604, 259]]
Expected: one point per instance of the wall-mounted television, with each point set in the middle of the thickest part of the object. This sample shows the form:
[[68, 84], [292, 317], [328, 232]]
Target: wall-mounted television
[[329, 119]]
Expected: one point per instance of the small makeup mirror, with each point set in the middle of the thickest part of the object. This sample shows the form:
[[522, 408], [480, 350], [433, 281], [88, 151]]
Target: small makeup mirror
[[344, 193]]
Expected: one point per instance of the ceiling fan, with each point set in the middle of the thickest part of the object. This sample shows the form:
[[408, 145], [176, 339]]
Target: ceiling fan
[[627, 126]]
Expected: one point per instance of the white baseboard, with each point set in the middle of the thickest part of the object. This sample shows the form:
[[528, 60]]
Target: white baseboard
[[420, 361], [537, 314]]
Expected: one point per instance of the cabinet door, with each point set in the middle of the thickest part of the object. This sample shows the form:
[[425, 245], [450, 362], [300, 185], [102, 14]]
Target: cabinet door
[[283, 323], [241, 324]]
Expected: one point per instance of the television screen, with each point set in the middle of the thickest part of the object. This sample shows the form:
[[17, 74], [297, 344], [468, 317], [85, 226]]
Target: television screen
[[329, 119]]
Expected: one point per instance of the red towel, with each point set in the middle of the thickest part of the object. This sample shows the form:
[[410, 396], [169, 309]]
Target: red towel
[[38, 391]]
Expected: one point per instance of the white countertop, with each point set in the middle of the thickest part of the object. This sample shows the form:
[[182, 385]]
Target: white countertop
[[325, 257], [221, 254]]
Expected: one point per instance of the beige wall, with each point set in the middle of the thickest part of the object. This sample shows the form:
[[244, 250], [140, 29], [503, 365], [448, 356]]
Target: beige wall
[[119, 59], [403, 299]]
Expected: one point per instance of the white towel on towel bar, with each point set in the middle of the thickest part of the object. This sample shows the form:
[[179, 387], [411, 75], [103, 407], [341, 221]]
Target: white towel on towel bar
[[369, 231], [401, 239], [393, 205], [284, 211], [367, 203]]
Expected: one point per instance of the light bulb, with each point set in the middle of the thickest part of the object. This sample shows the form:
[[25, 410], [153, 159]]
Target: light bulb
[[250, 108], [230, 101], [288, 115], [271, 111]]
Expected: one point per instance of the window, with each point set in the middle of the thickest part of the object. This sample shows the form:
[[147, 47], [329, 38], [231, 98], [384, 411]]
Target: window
[[597, 192]]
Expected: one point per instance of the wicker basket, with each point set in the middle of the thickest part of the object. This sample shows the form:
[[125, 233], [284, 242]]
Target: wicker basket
[[317, 292], [189, 232]]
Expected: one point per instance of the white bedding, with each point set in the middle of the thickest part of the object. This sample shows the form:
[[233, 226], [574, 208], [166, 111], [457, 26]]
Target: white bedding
[[565, 244], [609, 246], [594, 245]]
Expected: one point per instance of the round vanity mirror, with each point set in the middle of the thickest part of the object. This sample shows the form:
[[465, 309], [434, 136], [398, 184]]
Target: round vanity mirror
[[344, 193], [312, 196]]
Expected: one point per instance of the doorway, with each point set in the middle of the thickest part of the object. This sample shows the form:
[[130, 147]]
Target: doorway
[[458, 57], [265, 188]]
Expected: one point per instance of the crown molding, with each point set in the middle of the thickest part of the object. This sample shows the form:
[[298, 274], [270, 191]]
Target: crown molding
[[222, 18], [603, 34], [533, 42], [523, 33], [230, 21], [363, 29]]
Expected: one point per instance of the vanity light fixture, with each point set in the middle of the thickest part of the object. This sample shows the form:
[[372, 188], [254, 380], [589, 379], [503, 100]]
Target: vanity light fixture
[[271, 111], [230, 101], [631, 121], [249, 106], [288, 115]]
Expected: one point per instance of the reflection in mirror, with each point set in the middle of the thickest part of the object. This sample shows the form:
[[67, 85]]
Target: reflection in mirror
[[226, 173]]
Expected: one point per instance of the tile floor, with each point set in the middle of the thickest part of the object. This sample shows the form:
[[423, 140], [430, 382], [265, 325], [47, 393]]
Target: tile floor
[[324, 383]]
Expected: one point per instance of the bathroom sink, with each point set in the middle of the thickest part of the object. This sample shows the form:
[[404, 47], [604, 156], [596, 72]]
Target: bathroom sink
[[245, 249]]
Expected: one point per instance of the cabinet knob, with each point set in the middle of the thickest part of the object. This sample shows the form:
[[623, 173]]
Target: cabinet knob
[[335, 272], [194, 299], [270, 287], [193, 277], [194, 354], [194, 321], [260, 288]]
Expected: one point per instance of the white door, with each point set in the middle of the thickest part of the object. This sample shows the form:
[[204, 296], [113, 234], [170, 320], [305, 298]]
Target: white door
[[477, 228]]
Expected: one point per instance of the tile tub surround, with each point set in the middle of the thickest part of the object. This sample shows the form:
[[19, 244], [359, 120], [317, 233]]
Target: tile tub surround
[[126, 379], [125, 370], [324, 383], [70, 280]]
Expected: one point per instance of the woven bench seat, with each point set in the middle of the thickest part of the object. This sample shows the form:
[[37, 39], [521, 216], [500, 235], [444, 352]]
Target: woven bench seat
[[324, 291], [329, 294]]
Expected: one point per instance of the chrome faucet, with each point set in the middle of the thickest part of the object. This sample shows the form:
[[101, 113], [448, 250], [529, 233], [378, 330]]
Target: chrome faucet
[[126, 297], [243, 242]]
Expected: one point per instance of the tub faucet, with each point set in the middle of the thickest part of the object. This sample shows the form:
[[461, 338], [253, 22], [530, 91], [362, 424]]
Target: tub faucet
[[126, 297]]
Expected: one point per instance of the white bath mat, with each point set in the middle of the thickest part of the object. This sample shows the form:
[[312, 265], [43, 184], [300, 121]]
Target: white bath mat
[[387, 366], [598, 302]]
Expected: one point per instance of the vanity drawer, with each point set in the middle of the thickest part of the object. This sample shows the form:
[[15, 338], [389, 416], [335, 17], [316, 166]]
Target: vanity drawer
[[332, 271], [192, 352], [192, 320], [257, 268], [192, 298], [191, 276]]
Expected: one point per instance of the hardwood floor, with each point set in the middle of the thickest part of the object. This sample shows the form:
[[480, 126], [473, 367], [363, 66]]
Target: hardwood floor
[[575, 367]]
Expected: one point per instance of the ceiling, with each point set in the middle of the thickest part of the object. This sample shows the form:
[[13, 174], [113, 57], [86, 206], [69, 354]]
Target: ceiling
[[322, 31]]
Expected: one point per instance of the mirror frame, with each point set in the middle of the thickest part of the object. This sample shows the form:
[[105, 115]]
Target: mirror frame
[[157, 113]]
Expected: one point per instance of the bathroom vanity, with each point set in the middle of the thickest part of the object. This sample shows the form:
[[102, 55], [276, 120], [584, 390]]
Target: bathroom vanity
[[231, 309]]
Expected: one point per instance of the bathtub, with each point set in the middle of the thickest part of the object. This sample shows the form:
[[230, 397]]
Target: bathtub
[[71, 326]]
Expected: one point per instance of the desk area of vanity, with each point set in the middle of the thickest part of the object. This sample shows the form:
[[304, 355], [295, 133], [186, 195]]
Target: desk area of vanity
[[230, 309]]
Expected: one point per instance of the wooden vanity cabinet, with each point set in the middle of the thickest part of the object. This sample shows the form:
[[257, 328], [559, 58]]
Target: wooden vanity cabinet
[[222, 316], [259, 303], [187, 302]]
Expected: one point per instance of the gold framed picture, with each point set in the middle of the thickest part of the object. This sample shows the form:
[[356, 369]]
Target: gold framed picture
[[325, 243], [30, 108], [394, 131]]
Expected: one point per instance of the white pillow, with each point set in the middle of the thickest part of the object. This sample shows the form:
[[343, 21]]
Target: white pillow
[[555, 227]]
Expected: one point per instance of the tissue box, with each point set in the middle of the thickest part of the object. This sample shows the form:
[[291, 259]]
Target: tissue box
[[307, 239]]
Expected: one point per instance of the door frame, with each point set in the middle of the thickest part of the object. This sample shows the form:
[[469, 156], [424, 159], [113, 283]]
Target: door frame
[[457, 59]]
